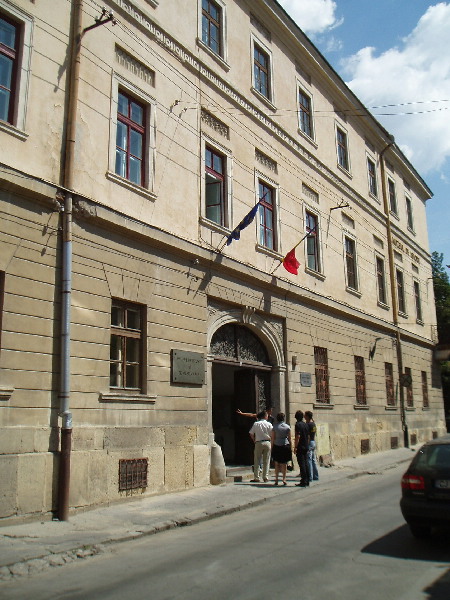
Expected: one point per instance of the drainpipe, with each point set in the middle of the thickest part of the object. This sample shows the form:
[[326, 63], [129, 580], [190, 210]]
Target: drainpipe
[[66, 277], [394, 298]]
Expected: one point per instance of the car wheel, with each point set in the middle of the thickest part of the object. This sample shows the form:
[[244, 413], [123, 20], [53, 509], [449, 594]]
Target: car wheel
[[420, 532]]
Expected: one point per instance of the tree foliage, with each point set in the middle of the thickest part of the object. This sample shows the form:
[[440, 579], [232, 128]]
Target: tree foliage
[[441, 285]]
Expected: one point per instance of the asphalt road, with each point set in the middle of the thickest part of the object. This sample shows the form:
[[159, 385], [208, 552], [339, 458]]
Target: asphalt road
[[347, 542]]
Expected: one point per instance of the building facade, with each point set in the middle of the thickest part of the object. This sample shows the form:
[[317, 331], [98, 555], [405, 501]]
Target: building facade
[[158, 161]]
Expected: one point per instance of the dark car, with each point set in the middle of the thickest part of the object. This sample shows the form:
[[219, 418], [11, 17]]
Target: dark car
[[425, 499]]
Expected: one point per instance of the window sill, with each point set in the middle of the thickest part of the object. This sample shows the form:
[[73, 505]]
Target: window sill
[[316, 274], [136, 398], [221, 61], [344, 170], [142, 191], [410, 408], [374, 197], [353, 292], [6, 393], [319, 405], [395, 215], [390, 408], [269, 252], [153, 3], [214, 226], [267, 101], [426, 408], [383, 305], [402, 314], [308, 138], [8, 128], [420, 322], [411, 230], [361, 406]]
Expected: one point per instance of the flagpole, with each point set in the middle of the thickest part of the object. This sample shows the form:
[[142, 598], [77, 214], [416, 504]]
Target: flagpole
[[298, 244]]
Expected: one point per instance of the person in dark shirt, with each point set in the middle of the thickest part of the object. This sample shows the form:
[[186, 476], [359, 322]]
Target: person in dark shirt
[[301, 447], [311, 456]]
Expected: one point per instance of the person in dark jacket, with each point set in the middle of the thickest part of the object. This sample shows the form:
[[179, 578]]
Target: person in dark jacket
[[301, 447]]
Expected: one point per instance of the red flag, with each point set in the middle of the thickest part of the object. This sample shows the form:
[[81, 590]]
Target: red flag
[[290, 263]]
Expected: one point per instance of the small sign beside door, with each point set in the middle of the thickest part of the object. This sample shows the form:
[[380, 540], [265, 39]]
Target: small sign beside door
[[188, 367], [305, 379]]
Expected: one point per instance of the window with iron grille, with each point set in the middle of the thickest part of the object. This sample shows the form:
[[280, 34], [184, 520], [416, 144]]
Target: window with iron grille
[[9, 59], [133, 473], [322, 375], [400, 292], [360, 379], [215, 192], [409, 390], [392, 197], [342, 148], [418, 301], [261, 71], [130, 139], [389, 378], [350, 263], [127, 346], [371, 171], [212, 26], [305, 113], [266, 196], [381, 280], [312, 242], [426, 403]]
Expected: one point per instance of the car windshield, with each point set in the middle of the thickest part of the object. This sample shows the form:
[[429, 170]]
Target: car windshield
[[434, 456]]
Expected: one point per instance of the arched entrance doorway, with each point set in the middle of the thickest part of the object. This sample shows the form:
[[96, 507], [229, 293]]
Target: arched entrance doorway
[[241, 379]]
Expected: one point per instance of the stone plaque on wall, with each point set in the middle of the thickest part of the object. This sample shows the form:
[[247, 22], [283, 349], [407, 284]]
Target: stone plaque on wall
[[188, 367], [306, 379]]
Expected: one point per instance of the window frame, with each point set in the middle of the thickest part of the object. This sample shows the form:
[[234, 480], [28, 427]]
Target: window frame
[[360, 381], [125, 333], [322, 375], [392, 193], [381, 280], [305, 113], [221, 179], [342, 149], [316, 254], [132, 126], [418, 301], [389, 380], [425, 395], [409, 213], [2, 301], [207, 142], [17, 111], [409, 390], [269, 98], [264, 209], [121, 85], [372, 177], [400, 289], [351, 276], [219, 24]]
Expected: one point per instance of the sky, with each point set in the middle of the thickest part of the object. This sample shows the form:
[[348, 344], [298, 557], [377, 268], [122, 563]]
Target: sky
[[395, 56]]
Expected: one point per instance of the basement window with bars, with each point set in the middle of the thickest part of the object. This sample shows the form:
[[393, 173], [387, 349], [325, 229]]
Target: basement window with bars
[[133, 473]]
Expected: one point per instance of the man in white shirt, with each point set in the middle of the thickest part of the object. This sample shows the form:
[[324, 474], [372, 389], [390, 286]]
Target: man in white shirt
[[261, 434]]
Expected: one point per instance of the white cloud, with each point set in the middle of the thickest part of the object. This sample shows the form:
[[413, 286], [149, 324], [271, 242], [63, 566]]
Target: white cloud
[[313, 16], [416, 77]]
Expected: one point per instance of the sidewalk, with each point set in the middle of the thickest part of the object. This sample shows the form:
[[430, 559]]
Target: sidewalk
[[28, 548]]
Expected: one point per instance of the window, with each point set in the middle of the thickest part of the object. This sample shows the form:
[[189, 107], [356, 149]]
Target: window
[[426, 403], [360, 380], [2, 295], [16, 30], [350, 263], [389, 377], [392, 197], [342, 149], [305, 113], [266, 196], [312, 242], [418, 301], [409, 213], [322, 376], [371, 172], [215, 165], [130, 139], [409, 389], [400, 291], [261, 71], [127, 344], [381, 280], [9, 57], [212, 26]]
